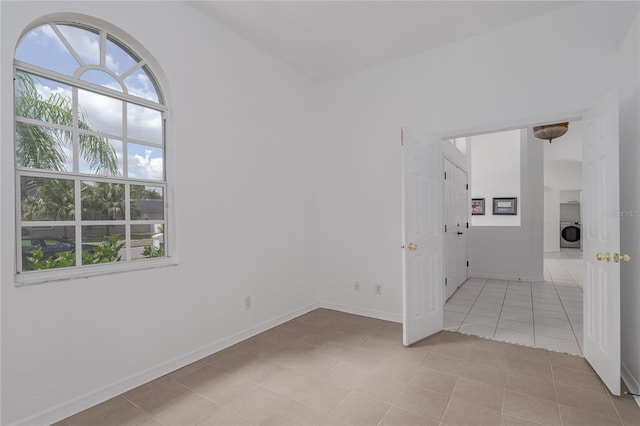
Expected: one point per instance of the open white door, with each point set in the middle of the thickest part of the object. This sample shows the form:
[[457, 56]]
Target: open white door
[[601, 241], [455, 222], [422, 260], [450, 220]]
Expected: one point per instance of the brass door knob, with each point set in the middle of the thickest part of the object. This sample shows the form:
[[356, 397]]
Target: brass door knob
[[412, 246], [622, 257], [604, 256]]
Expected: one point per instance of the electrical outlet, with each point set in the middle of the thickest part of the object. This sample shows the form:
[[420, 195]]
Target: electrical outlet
[[247, 302], [356, 286], [378, 288]]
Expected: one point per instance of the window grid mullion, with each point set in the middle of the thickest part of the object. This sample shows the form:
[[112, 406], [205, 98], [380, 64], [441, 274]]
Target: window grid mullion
[[131, 70], [64, 41], [23, 171], [51, 223], [103, 48], [62, 78], [18, 184], [78, 221], [35, 122], [127, 218], [75, 137], [125, 141]]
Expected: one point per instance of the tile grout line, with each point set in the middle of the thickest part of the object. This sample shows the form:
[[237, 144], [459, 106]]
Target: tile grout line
[[495, 330], [444, 413], [553, 282], [555, 389], [566, 315], [474, 303]]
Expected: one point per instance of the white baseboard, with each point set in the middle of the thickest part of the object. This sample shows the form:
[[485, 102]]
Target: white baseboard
[[387, 316], [632, 383], [68, 408], [505, 277]]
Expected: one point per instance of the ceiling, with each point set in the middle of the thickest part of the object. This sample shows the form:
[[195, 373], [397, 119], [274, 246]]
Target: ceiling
[[325, 40]]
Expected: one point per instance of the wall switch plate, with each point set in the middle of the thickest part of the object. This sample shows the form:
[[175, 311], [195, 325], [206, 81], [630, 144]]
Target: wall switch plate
[[356, 286], [378, 288], [247, 302]]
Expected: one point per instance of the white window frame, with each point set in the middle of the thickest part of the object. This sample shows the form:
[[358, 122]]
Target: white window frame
[[128, 264]]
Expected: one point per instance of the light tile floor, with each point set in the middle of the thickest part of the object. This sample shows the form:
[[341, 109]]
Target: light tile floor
[[546, 314], [332, 368]]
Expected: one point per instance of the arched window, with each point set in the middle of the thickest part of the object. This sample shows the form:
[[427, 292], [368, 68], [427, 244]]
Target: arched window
[[90, 154]]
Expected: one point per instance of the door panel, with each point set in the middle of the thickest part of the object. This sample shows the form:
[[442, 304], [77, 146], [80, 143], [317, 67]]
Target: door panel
[[422, 253], [601, 233]]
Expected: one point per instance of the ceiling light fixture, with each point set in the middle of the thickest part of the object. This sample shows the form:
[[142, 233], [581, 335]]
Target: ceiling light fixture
[[550, 131]]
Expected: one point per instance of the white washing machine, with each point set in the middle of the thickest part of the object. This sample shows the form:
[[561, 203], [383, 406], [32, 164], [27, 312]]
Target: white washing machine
[[570, 235]]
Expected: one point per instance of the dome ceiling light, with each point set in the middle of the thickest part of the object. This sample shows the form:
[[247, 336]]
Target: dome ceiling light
[[550, 131]]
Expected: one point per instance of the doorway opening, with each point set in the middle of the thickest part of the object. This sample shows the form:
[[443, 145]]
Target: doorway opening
[[539, 304]]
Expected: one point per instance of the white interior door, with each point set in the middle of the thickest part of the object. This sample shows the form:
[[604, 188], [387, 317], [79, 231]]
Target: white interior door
[[422, 265], [601, 241], [462, 222], [455, 227], [450, 231]]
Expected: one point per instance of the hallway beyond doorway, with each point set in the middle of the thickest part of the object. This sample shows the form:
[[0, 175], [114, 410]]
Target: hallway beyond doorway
[[545, 314]]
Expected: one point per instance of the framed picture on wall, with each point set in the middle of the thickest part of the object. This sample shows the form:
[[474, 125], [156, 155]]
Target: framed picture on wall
[[477, 206], [505, 206]]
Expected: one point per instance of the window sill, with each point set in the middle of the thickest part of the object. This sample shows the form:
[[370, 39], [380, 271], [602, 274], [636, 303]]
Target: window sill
[[41, 277]]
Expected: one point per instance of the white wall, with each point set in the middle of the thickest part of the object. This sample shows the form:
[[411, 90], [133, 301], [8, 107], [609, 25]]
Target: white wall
[[508, 86], [571, 196], [245, 211], [629, 91], [495, 173], [508, 252]]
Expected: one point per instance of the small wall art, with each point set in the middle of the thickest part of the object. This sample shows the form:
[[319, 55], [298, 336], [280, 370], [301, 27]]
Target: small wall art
[[477, 206], [505, 206]]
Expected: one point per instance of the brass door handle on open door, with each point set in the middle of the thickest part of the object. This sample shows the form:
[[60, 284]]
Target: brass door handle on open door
[[412, 246], [622, 257], [604, 256]]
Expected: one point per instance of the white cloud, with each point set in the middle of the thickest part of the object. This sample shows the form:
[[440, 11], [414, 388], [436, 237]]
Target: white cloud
[[103, 113], [144, 124], [146, 167], [138, 84], [46, 91], [111, 63]]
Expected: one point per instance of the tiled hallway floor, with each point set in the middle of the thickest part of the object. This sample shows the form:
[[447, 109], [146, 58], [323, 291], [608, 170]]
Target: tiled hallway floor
[[332, 368], [545, 314]]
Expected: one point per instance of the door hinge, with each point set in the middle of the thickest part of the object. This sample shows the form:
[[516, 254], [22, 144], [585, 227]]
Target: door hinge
[[445, 175], [467, 263], [445, 228], [445, 281], [467, 186], [467, 225], [401, 136]]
